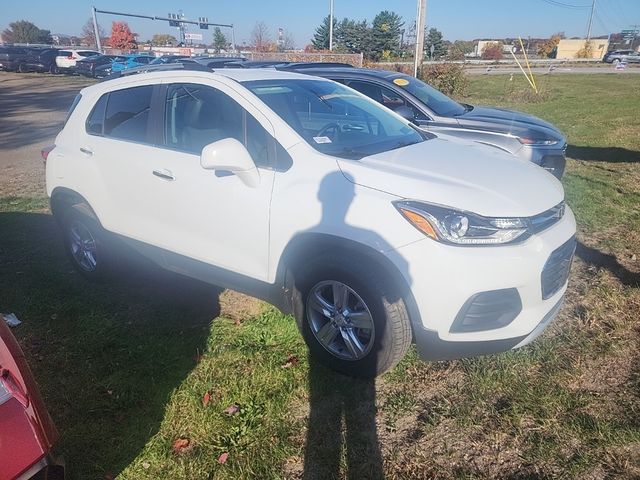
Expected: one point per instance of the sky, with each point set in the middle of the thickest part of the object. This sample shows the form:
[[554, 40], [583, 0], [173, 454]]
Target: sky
[[457, 19]]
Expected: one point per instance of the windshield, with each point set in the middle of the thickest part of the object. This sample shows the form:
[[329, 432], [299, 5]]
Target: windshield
[[334, 119], [432, 98]]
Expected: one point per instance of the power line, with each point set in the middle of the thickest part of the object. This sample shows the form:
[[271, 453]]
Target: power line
[[557, 3]]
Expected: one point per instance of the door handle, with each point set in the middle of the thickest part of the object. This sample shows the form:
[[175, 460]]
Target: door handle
[[164, 174], [86, 151]]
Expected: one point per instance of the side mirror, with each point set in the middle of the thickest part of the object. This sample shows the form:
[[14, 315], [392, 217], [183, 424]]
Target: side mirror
[[230, 155], [405, 112]]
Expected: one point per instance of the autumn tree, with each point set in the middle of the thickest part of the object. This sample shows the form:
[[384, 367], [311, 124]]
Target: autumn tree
[[89, 35], [220, 41], [260, 37], [492, 51], [163, 39], [549, 47], [121, 37], [23, 31]]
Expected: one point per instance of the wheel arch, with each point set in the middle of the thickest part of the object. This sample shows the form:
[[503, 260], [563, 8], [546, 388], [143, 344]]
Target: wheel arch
[[62, 198], [307, 245]]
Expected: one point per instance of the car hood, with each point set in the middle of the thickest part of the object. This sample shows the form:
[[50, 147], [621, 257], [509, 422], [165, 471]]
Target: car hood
[[509, 121], [459, 174]]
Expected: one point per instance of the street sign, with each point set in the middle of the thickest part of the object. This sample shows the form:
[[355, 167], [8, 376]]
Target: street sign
[[193, 36]]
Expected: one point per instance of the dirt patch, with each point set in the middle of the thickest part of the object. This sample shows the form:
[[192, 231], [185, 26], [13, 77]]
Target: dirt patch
[[238, 306]]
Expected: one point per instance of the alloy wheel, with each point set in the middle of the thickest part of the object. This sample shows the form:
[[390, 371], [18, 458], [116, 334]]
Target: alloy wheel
[[340, 320], [83, 246]]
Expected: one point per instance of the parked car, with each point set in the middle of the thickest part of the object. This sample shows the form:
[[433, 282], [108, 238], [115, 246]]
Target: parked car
[[256, 64], [12, 57], [617, 56], [522, 135], [312, 196], [39, 60], [97, 66], [27, 433], [167, 59], [131, 61], [66, 59], [213, 62]]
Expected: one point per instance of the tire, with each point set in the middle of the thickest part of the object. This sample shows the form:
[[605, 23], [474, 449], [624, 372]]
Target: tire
[[616, 61], [86, 243], [384, 332], [53, 69], [21, 68]]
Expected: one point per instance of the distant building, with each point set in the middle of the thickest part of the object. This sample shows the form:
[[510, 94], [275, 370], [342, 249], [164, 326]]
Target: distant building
[[569, 48]]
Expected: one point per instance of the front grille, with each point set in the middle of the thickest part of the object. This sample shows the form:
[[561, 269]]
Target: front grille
[[556, 271], [544, 220]]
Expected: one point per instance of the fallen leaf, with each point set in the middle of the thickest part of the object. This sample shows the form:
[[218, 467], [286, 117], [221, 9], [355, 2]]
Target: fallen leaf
[[291, 361], [206, 398], [237, 322], [231, 410], [109, 476], [181, 445], [223, 457], [197, 357], [146, 465]]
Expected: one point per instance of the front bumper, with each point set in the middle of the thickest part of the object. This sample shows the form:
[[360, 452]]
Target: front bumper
[[443, 278], [550, 158]]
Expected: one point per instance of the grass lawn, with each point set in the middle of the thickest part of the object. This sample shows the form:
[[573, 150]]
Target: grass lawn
[[160, 377]]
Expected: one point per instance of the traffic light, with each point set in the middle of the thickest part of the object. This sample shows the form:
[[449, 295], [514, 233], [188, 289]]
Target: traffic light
[[173, 20], [203, 23]]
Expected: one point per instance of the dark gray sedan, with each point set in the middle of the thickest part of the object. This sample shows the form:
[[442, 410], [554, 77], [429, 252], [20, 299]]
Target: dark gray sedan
[[520, 134]]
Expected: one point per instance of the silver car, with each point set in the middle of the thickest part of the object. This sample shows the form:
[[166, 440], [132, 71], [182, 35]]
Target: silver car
[[519, 134]]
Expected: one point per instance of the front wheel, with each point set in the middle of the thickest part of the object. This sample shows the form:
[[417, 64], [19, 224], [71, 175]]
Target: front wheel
[[351, 316]]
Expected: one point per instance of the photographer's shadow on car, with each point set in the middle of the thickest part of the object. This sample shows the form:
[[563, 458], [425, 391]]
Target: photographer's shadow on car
[[345, 320], [106, 356]]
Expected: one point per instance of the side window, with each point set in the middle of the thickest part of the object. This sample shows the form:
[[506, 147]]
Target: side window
[[197, 115], [95, 121], [127, 115], [385, 96], [143, 59]]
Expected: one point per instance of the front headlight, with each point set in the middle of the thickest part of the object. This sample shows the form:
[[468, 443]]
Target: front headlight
[[455, 227], [537, 142]]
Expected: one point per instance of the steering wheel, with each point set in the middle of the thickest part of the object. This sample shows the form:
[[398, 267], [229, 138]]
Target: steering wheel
[[329, 127]]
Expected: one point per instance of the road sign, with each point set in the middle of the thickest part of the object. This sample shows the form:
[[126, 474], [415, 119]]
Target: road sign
[[193, 36]]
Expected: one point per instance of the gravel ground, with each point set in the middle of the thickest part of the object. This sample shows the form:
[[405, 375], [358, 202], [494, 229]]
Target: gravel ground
[[32, 109]]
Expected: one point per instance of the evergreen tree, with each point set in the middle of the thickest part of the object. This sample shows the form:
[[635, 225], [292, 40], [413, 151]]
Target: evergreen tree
[[220, 41], [434, 38], [385, 34], [320, 39]]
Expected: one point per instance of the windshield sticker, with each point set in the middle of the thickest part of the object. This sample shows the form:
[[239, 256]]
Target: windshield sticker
[[322, 139], [401, 82]]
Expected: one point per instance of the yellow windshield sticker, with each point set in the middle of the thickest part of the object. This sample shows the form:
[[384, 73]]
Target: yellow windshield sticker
[[401, 82]]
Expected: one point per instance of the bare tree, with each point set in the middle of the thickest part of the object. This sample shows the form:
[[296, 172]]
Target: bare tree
[[88, 33], [288, 42], [260, 37]]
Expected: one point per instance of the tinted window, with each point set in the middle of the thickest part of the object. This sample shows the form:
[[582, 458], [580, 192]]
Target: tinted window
[[127, 114], [88, 53], [95, 122], [64, 53], [384, 96], [143, 59], [432, 98]]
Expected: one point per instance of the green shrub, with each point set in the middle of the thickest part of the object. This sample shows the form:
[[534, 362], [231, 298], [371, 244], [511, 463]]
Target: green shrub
[[449, 78]]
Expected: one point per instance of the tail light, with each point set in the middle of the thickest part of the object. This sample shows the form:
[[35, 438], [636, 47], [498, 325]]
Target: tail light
[[46, 151]]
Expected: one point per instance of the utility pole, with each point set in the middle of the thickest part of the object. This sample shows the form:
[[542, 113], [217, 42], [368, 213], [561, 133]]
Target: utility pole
[[330, 25], [95, 29], [593, 7], [420, 23]]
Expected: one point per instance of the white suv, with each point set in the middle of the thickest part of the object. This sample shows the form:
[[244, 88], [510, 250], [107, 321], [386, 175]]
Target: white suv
[[66, 59], [305, 193]]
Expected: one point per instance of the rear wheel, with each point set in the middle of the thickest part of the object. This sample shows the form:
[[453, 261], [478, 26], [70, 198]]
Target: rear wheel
[[351, 316], [86, 243], [616, 61], [53, 69], [21, 68]]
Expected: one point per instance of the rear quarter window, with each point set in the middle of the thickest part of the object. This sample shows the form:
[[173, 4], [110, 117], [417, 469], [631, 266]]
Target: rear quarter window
[[72, 108]]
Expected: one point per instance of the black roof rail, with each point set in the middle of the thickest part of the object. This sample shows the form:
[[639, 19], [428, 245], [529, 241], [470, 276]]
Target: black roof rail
[[166, 67], [305, 65]]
